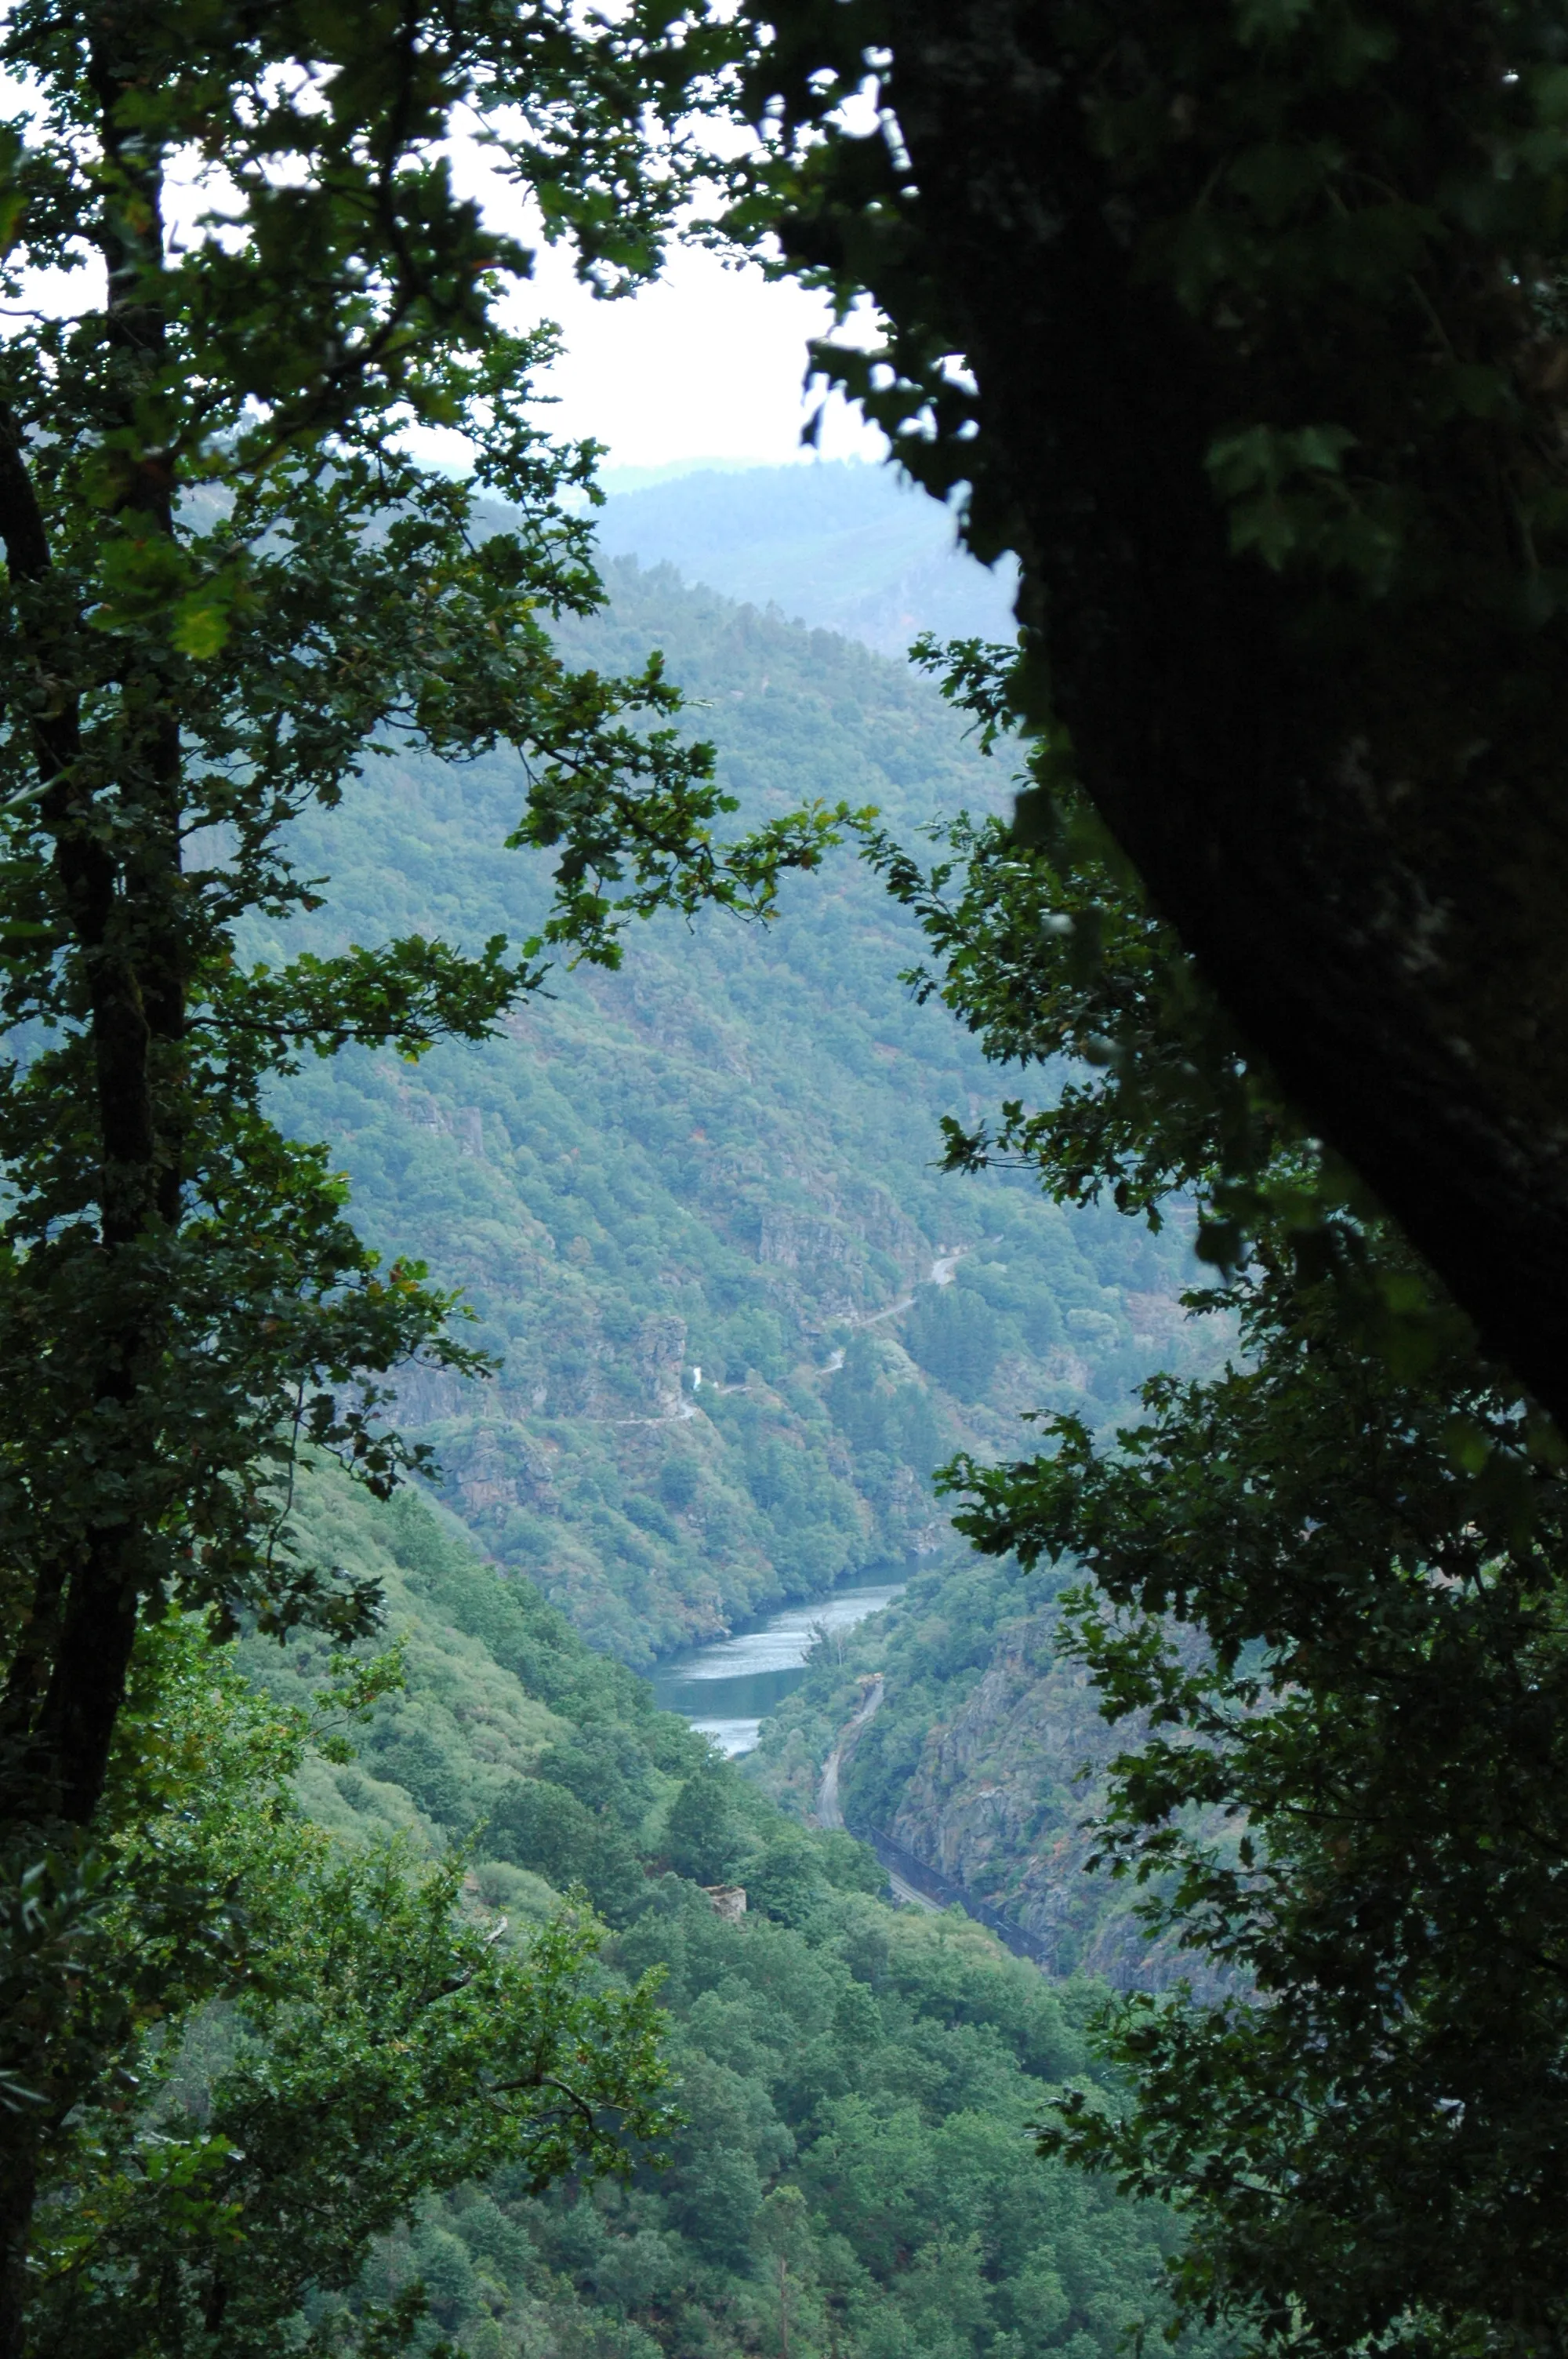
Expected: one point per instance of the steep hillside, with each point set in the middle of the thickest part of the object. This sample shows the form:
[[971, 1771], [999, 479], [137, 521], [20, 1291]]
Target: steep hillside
[[856, 2174], [839, 544], [980, 1757], [693, 1205]]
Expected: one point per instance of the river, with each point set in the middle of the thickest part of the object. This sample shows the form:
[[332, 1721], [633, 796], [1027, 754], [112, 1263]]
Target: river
[[724, 1688]]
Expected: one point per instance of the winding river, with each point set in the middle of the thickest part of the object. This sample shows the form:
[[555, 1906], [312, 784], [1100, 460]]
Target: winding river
[[724, 1688]]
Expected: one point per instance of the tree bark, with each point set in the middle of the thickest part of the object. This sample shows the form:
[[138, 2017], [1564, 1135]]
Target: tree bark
[[1362, 839], [65, 1683]]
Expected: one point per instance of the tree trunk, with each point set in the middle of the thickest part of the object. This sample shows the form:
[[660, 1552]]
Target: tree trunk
[[18, 2193], [65, 1683], [1361, 838]]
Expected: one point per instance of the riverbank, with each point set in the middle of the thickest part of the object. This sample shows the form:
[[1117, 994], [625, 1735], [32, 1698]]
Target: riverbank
[[726, 1688]]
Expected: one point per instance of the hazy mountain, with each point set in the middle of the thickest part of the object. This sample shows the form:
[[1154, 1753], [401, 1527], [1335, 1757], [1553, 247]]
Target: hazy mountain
[[720, 1159], [836, 544]]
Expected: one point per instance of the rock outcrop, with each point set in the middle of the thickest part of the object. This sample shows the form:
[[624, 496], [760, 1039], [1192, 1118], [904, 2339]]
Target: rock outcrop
[[1004, 1800]]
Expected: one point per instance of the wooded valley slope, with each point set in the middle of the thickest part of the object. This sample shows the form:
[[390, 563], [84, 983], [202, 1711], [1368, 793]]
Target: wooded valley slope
[[856, 2167], [720, 1159]]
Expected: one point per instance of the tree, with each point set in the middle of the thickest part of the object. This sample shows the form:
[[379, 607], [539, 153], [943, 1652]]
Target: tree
[[539, 1825], [1353, 1797], [956, 1336], [229, 583], [1330, 1580], [226, 2166], [1244, 329], [703, 1837]]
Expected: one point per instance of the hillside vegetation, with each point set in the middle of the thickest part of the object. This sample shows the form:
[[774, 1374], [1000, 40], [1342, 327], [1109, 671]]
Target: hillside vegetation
[[722, 1160], [836, 543], [855, 2173], [984, 1757], [718, 1160]]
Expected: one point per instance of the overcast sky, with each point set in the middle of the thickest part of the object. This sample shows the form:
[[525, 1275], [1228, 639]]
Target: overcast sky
[[706, 364]]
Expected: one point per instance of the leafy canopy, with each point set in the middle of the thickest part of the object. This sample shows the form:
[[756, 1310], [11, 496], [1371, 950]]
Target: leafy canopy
[[286, 2043], [229, 582], [1242, 325], [227, 578], [1323, 1594]]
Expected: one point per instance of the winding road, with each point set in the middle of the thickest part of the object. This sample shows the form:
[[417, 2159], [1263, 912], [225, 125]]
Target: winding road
[[828, 1810], [942, 1270], [828, 1813]]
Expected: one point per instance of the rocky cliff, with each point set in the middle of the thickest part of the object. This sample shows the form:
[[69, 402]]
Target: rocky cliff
[[985, 1759]]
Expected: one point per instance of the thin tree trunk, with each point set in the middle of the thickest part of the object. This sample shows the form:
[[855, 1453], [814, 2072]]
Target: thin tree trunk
[[18, 2193], [65, 1683]]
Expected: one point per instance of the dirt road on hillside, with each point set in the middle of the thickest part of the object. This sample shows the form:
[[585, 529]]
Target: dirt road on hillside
[[829, 1812]]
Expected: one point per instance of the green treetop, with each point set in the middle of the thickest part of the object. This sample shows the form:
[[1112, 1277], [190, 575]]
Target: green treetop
[[228, 582]]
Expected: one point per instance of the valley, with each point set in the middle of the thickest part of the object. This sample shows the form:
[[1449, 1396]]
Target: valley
[[782, 1502], [725, 1688], [693, 1206], [738, 1317], [858, 2083]]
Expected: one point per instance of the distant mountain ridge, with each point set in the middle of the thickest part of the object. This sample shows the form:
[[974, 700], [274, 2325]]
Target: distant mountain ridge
[[838, 544]]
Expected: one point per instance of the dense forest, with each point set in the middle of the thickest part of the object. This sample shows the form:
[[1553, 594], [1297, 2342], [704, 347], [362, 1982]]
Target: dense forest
[[717, 1167], [564, 1095], [855, 2170]]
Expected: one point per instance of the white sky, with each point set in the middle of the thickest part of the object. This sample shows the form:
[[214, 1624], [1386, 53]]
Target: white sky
[[708, 364]]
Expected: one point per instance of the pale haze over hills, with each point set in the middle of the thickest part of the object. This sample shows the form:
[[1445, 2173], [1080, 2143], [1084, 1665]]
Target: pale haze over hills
[[842, 545]]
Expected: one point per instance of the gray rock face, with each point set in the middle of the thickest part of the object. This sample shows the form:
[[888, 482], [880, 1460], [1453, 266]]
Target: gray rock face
[[1004, 1798]]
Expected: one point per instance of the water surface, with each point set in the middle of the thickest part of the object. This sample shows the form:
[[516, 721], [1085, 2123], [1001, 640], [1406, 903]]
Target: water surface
[[725, 1688]]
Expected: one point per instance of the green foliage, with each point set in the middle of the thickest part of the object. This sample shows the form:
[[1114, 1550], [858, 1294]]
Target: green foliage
[[1045, 949], [1301, 198], [539, 1825], [956, 1335], [702, 1837], [280, 2046], [875, 1412], [856, 2085], [1377, 1711], [1324, 1602], [1243, 326], [857, 2091], [228, 585]]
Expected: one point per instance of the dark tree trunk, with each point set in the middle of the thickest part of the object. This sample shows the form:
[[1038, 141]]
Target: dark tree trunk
[[1357, 821], [119, 893], [18, 2193]]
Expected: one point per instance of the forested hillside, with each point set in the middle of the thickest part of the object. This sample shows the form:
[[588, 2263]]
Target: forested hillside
[[555, 1106], [855, 2173], [837, 543], [972, 1760], [693, 1204]]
